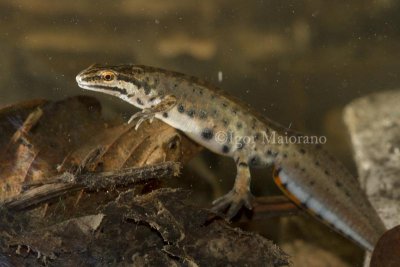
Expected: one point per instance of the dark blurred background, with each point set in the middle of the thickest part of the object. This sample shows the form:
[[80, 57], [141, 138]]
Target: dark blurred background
[[298, 62]]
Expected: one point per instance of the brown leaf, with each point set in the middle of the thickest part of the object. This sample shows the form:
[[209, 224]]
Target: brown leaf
[[387, 250], [15, 157], [42, 135], [72, 136], [123, 146]]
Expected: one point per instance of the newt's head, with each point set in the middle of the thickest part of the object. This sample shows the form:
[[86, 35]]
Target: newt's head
[[128, 82]]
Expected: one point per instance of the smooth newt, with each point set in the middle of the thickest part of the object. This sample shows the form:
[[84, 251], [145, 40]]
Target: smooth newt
[[307, 174]]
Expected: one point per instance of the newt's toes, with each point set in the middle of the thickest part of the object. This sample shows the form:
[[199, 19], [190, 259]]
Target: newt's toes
[[231, 203]]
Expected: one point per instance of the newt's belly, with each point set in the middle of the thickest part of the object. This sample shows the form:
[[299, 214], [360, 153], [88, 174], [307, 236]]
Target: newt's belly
[[205, 133]]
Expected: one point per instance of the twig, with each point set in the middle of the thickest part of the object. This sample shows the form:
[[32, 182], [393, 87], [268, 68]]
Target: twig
[[272, 206], [123, 177], [67, 183]]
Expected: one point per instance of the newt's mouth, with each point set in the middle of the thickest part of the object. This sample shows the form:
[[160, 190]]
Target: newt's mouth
[[87, 86], [84, 84], [114, 90]]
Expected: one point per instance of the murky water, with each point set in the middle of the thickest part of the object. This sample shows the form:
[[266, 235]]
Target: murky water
[[298, 62]]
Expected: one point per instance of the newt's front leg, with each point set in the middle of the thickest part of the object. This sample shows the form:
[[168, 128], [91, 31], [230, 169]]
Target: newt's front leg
[[167, 103], [239, 196]]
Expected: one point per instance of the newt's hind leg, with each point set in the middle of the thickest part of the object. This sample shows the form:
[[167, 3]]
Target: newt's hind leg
[[239, 196]]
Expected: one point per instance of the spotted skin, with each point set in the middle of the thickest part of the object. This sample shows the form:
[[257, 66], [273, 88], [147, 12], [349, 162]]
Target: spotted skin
[[306, 173]]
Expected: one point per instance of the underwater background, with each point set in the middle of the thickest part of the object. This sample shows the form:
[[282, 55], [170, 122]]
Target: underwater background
[[297, 62]]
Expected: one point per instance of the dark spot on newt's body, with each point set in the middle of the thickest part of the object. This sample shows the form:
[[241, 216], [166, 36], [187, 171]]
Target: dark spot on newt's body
[[331, 225], [327, 189], [225, 149], [202, 114], [137, 83], [312, 183], [165, 115], [230, 136], [346, 192], [192, 79], [191, 113], [152, 99], [303, 169], [147, 88], [284, 155], [225, 122], [139, 101], [239, 125], [317, 163], [302, 151], [181, 109], [338, 184], [254, 161], [327, 172], [254, 124], [304, 205], [243, 164], [224, 104], [207, 134]]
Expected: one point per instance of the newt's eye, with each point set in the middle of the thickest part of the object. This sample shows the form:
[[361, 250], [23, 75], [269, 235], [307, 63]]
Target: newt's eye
[[108, 76]]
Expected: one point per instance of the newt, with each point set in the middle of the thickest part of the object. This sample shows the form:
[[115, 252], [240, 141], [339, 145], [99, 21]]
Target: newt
[[305, 172]]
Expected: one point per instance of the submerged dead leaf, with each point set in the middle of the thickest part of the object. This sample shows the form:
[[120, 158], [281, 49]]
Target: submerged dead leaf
[[47, 139], [39, 137], [123, 146], [387, 250], [16, 157]]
